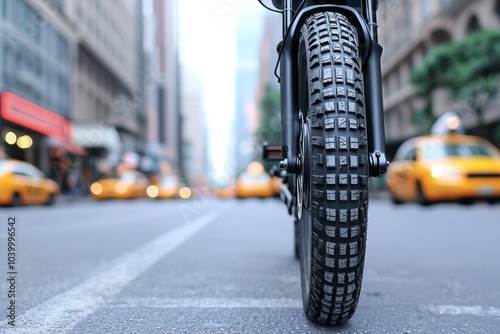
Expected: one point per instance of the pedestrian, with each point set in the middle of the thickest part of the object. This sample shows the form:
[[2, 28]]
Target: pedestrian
[[74, 183]]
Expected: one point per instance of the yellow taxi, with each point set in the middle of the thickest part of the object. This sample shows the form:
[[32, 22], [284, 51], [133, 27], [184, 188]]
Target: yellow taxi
[[444, 167], [255, 182], [224, 192], [168, 187], [127, 185], [224, 189], [276, 181], [23, 184]]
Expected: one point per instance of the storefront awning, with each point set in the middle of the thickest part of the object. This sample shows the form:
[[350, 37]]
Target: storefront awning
[[20, 111], [97, 136], [67, 145]]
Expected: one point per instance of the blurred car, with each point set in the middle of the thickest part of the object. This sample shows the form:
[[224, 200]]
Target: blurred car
[[225, 191], [167, 187], [127, 185], [449, 167], [276, 180], [255, 182], [23, 184]]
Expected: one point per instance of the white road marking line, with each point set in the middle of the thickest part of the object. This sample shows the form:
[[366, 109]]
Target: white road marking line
[[392, 279], [465, 310], [62, 312], [208, 303]]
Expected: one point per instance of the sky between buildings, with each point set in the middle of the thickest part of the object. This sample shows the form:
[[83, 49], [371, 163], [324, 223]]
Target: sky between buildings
[[207, 41]]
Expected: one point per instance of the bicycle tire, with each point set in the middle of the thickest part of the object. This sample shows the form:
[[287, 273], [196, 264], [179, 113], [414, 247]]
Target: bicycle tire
[[333, 155]]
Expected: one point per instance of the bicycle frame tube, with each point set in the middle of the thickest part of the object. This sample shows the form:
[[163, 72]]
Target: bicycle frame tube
[[287, 15], [372, 80], [373, 99]]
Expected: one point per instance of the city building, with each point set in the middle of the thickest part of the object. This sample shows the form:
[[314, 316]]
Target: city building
[[72, 84], [165, 65], [108, 109], [37, 48], [272, 34], [408, 30], [268, 82], [194, 132]]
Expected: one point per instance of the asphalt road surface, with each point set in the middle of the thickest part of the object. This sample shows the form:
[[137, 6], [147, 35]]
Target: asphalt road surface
[[227, 266]]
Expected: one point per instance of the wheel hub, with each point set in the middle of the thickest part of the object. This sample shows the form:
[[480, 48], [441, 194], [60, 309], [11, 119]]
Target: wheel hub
[[303, 206], [301, 163]]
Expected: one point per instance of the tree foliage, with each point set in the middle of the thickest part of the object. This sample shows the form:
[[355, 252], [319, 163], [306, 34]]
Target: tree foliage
[[467, 68]]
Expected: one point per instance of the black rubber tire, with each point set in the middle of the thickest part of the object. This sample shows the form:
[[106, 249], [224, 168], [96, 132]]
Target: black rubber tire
[[394, 199], [335, 168], [51, 200], [296, 238], [16, 200], [421, 198]]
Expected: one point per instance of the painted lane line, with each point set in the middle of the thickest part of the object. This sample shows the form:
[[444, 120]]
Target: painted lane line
[[62, 312], [465, 310], [278, 303]]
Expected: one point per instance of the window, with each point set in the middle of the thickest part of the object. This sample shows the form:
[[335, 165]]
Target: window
[[63, 51], [399, 80], [4, 8], [4, 167], [442, 150], [406, 150], [169, 181], [425, 9], [59, 4], [26, 170], [497, 8], [445, 4], [79, 14], [31, 23], [54, 92], [63, 97], [50, 41], [408, 14], [128, 177], [411, 155], [473, 25]]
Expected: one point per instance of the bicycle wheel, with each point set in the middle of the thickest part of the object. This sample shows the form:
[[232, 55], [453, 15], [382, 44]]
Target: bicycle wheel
[[332, 185]]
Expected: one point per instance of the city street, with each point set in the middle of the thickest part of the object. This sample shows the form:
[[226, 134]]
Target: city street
[[226, 266]]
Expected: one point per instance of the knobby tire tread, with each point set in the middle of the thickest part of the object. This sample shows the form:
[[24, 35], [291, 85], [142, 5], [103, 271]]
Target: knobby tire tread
[[339, 167]]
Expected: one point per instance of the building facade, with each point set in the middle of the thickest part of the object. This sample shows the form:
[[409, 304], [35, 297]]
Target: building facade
[[408, 30], [108, 107], [194, 134], [72, 80], [166, 66], [36, 74], [268, 57]]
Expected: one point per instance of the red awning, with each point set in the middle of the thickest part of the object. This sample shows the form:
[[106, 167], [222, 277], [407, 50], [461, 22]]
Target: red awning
[[20, 111]]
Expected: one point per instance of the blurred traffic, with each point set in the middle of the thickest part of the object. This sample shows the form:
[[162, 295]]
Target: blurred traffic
[[255, 182], [127, 185], [168, 187], [445, 166], [141, 110], [22, 184], [81, 97]]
